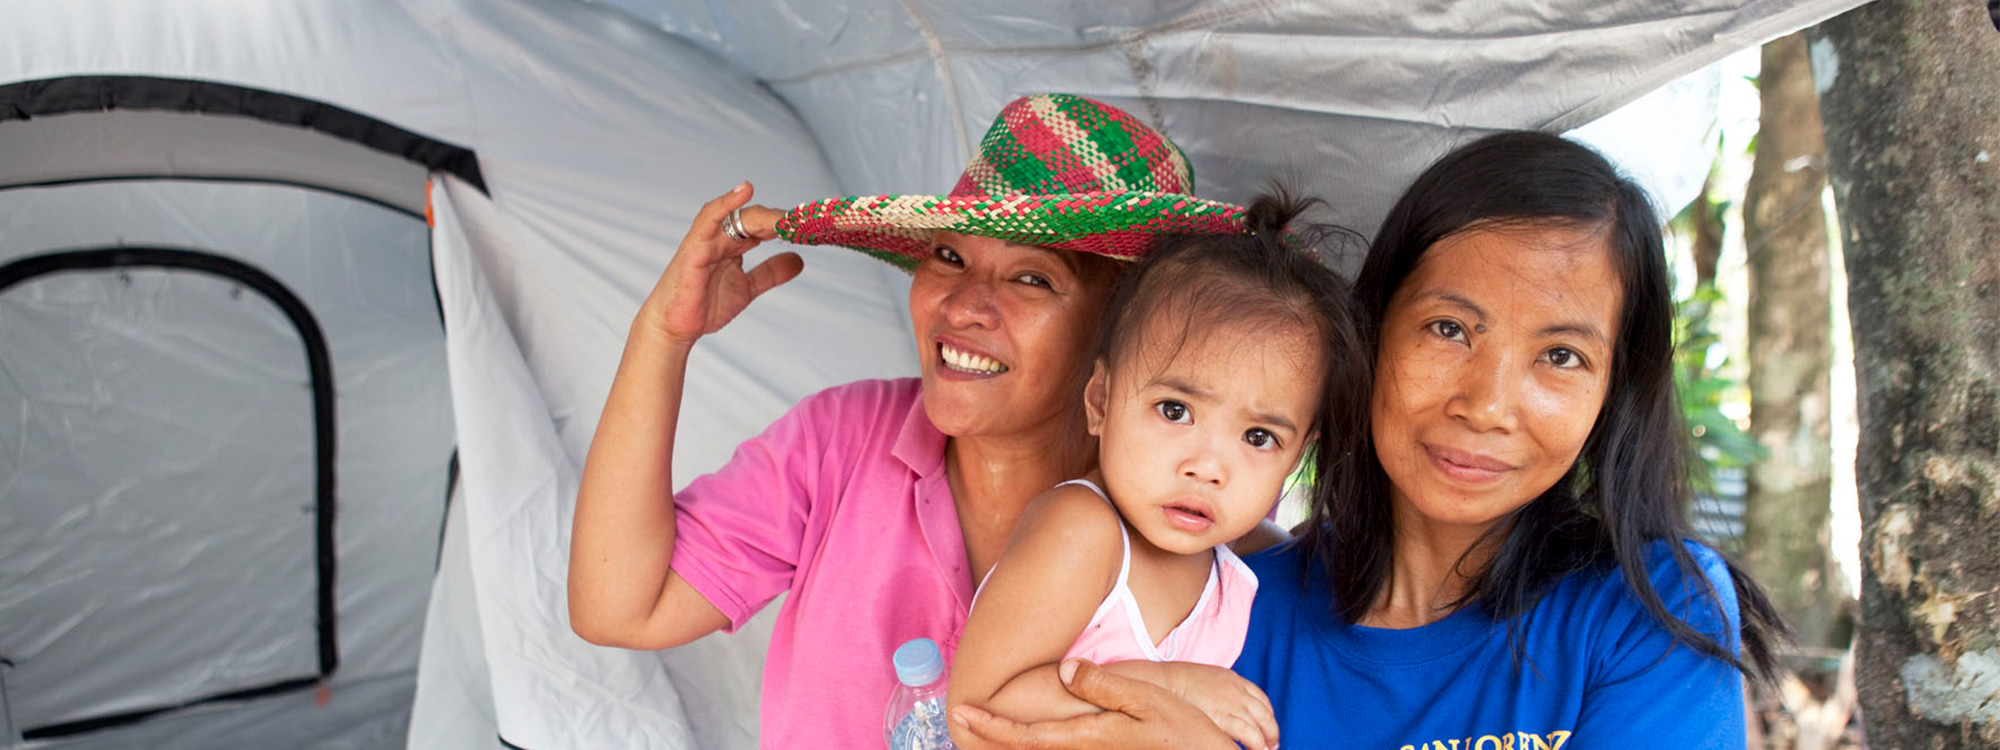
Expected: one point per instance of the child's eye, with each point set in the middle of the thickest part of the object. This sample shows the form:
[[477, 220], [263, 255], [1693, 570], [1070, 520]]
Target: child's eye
[[1173, 411], [947, 255], [1259, 437], [1563, 357], [1449, 330]]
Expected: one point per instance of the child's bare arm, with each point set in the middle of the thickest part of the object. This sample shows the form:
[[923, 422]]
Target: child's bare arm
[[1060, 563]]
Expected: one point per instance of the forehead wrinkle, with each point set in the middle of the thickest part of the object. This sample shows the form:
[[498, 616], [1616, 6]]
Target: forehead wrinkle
[[1176, 383]]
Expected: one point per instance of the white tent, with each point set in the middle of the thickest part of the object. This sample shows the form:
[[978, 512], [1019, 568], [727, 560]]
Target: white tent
[[237, 361]]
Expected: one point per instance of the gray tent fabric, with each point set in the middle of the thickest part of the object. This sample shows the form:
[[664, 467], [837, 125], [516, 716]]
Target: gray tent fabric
[[1348, 100], [149, 404], [122, 144], [599, 128], [159, 448], [455, 698]]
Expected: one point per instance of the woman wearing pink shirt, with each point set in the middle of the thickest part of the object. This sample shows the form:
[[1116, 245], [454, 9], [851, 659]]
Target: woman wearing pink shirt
[[878, 505]]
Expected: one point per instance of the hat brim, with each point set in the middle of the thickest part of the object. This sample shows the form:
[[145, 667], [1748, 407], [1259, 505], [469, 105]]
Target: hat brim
[[898, 228]]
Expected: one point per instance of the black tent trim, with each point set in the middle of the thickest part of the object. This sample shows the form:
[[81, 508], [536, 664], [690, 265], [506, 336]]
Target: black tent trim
[[370, 200], [54, 96], [95, 723], [320, 366], [444, 521]]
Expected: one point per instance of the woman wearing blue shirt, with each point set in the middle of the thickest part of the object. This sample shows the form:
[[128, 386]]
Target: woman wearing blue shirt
[[1505, 565], [1511, 569]]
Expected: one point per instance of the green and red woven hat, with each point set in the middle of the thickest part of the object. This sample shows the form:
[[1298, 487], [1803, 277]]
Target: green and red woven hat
[[1054, 170]]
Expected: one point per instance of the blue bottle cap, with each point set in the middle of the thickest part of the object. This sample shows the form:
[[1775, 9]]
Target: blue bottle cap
[[918, 662]]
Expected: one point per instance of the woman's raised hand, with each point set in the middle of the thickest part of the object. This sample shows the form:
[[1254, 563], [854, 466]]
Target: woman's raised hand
[[705, 286], [622, 588]]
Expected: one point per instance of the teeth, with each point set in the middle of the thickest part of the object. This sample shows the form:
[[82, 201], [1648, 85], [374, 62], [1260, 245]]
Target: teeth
[[964, 361]]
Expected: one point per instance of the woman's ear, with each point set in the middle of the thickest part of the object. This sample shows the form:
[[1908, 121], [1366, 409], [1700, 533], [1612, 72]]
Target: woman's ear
[[1096, 394]]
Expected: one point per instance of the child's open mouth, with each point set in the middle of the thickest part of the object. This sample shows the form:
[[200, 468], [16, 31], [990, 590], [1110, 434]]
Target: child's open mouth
[[1189, 517]]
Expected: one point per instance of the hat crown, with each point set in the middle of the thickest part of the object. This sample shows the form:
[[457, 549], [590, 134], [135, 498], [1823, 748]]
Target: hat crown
[[1059, 144]]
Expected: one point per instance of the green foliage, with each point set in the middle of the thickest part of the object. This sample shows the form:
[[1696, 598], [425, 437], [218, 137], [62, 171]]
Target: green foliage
[[1718, 442], [1700, 359]]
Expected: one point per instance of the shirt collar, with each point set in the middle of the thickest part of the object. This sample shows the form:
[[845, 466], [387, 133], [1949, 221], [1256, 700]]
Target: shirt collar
[[919, 444]]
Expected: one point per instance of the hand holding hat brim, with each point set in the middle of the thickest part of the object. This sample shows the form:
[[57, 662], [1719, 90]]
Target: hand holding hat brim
[[705, 285]]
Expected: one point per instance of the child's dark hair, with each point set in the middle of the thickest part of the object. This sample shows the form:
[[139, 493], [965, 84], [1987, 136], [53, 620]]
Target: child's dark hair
[[1629, 485], [1272, 274]]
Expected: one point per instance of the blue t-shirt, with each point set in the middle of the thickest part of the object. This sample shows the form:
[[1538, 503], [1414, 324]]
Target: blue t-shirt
[[1597, 671]]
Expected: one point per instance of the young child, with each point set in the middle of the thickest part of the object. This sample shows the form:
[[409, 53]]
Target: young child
[[1223, 358]]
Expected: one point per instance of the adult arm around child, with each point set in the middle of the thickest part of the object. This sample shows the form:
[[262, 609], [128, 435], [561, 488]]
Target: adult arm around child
[[1061, 563], [1137, 715]]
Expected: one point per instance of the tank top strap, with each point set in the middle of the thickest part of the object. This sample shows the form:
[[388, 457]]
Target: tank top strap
[[1124, 536]]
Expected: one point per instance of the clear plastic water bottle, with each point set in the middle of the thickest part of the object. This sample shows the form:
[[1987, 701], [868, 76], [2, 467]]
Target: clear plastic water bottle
[[916, 719]]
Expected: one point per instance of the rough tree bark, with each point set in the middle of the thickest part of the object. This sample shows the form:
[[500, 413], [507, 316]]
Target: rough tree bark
[[1707, 248], [1910, 92], [1787, 508]]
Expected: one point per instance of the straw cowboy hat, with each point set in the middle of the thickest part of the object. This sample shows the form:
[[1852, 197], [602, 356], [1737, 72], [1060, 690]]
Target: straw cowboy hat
[[1054, 170]]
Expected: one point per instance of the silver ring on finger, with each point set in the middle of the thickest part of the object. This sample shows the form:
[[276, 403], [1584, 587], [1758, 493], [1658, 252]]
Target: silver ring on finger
[[732, 225]]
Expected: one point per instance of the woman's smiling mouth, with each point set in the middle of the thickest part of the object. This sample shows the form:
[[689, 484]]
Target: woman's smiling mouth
[[960, 360], [1467, 467]]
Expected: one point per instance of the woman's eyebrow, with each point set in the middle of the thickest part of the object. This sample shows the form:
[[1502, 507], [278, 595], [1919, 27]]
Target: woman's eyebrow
[[1585, 330], [1068, 259], [1579, 328], [1455, 300]]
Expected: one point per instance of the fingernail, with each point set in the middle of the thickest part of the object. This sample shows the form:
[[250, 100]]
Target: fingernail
[[740, 187], [1066, 671]]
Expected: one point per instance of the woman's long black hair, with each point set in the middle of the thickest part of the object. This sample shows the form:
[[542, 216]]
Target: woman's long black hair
[[1629, 486]]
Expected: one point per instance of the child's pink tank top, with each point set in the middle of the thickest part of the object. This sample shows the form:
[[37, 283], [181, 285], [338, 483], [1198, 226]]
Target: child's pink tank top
[[1212, 633]]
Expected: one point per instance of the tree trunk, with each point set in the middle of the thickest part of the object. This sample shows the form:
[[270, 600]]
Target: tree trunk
[[1791, 353], [1707, 248], [1911, 96]]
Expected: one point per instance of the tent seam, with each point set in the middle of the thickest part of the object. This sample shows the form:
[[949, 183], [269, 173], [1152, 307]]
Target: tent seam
[[1198, 22], [936, 49]]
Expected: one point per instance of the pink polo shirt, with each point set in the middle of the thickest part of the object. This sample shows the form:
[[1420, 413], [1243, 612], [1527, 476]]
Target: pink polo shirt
[[843, 502]]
